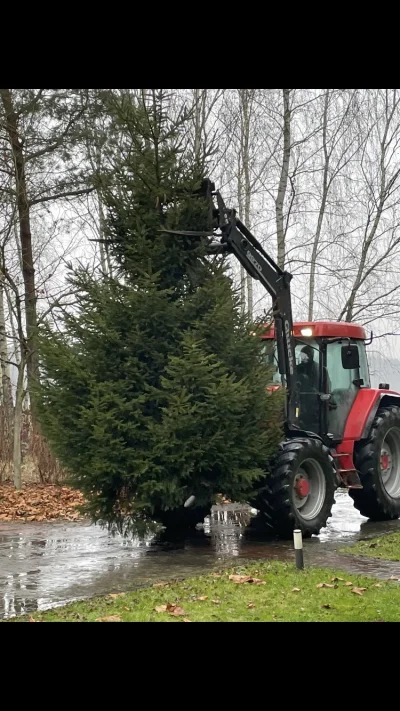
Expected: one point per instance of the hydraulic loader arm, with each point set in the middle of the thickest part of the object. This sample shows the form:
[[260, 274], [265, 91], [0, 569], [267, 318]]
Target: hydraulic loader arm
[[239, 241], [236, 239]]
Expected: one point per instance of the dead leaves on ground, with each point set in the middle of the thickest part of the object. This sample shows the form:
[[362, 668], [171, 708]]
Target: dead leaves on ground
[[246, 579], [173, 610], [110, 618], [39, 502], [355, 590]]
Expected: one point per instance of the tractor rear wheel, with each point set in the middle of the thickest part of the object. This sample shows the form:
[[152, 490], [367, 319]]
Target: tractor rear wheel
[[299, 493], [377, 460]]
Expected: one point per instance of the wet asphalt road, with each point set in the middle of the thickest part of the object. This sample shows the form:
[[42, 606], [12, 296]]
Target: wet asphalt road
[[47, 564]]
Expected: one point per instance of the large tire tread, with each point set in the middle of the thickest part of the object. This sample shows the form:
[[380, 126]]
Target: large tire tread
[[274, 499], [372, 501]]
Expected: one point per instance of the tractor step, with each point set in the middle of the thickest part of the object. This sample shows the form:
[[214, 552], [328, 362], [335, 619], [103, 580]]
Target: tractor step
[[351, 478]]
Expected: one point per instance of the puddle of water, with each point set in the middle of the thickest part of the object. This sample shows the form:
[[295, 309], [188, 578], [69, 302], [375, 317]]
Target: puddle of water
[[44, 565]]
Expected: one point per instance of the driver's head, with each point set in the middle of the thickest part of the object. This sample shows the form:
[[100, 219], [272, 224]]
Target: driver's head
[[307, 354]]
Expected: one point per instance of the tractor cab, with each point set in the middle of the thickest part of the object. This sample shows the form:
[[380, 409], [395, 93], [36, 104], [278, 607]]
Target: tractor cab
[[332, 366]]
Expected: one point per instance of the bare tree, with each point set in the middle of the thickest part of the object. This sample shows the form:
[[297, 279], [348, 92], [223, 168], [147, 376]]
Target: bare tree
[[36, 125], [340, 144], [246, 104], [378, 240], [283, 180]]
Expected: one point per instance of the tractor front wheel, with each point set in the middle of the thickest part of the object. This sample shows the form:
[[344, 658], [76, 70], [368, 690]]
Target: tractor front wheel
[[377, 460], [299, 493]]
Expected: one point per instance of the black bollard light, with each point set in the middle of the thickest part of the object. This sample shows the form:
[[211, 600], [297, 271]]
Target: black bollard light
[[298, 548]]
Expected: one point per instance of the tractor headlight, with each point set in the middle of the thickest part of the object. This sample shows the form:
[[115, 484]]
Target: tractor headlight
[[307, 332]]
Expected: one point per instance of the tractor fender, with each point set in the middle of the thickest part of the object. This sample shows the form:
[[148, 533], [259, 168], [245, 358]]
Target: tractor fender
[[364, 409], [383, 399]]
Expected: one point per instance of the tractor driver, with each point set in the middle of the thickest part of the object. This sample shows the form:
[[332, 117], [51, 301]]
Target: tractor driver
[[309, 368]]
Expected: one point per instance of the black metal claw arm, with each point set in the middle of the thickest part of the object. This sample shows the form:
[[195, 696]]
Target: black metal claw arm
[[236, 238]]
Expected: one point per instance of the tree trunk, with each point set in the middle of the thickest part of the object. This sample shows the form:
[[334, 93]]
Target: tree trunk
[[17, 455], [197, 124], [25, 235], [322, 208], [280, 199], [103, 247], [4, 359], [245, 101]]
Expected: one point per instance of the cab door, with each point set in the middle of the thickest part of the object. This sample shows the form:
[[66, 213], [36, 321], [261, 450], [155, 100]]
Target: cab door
[[308, 365], [342, 389]]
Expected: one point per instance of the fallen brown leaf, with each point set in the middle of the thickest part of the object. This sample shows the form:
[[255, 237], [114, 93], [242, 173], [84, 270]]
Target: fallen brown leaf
[[203, 597], [377, 585], [186, 620], [246, 579], [393, 577], [326, 585], [251, 605], [160, 585], [216, 602], [327, 607], [177, 611], [349, 584], [31, 619], [295, 589], [216, 575], [115, 595], [161, 608], [240, 578], [110, 618], [358, 591], [335, 580]]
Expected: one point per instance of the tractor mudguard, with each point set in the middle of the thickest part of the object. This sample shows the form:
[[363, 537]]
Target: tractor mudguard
[[364, 409], [383, 398]]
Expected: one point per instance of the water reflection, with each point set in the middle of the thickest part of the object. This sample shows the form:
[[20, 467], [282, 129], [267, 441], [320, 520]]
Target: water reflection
[[43, 565]]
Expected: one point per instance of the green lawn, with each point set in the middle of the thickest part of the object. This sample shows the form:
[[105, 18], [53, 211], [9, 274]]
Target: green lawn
[[387, 547], [276, 592]]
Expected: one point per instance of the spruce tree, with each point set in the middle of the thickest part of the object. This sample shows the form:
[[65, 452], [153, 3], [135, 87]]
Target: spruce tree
[[154, 388]]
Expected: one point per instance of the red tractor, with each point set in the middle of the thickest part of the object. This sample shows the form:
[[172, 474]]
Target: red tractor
[[339, 432], [358, 428]]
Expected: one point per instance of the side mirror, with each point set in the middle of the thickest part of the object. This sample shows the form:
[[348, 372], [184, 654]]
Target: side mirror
[[350, 357]]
